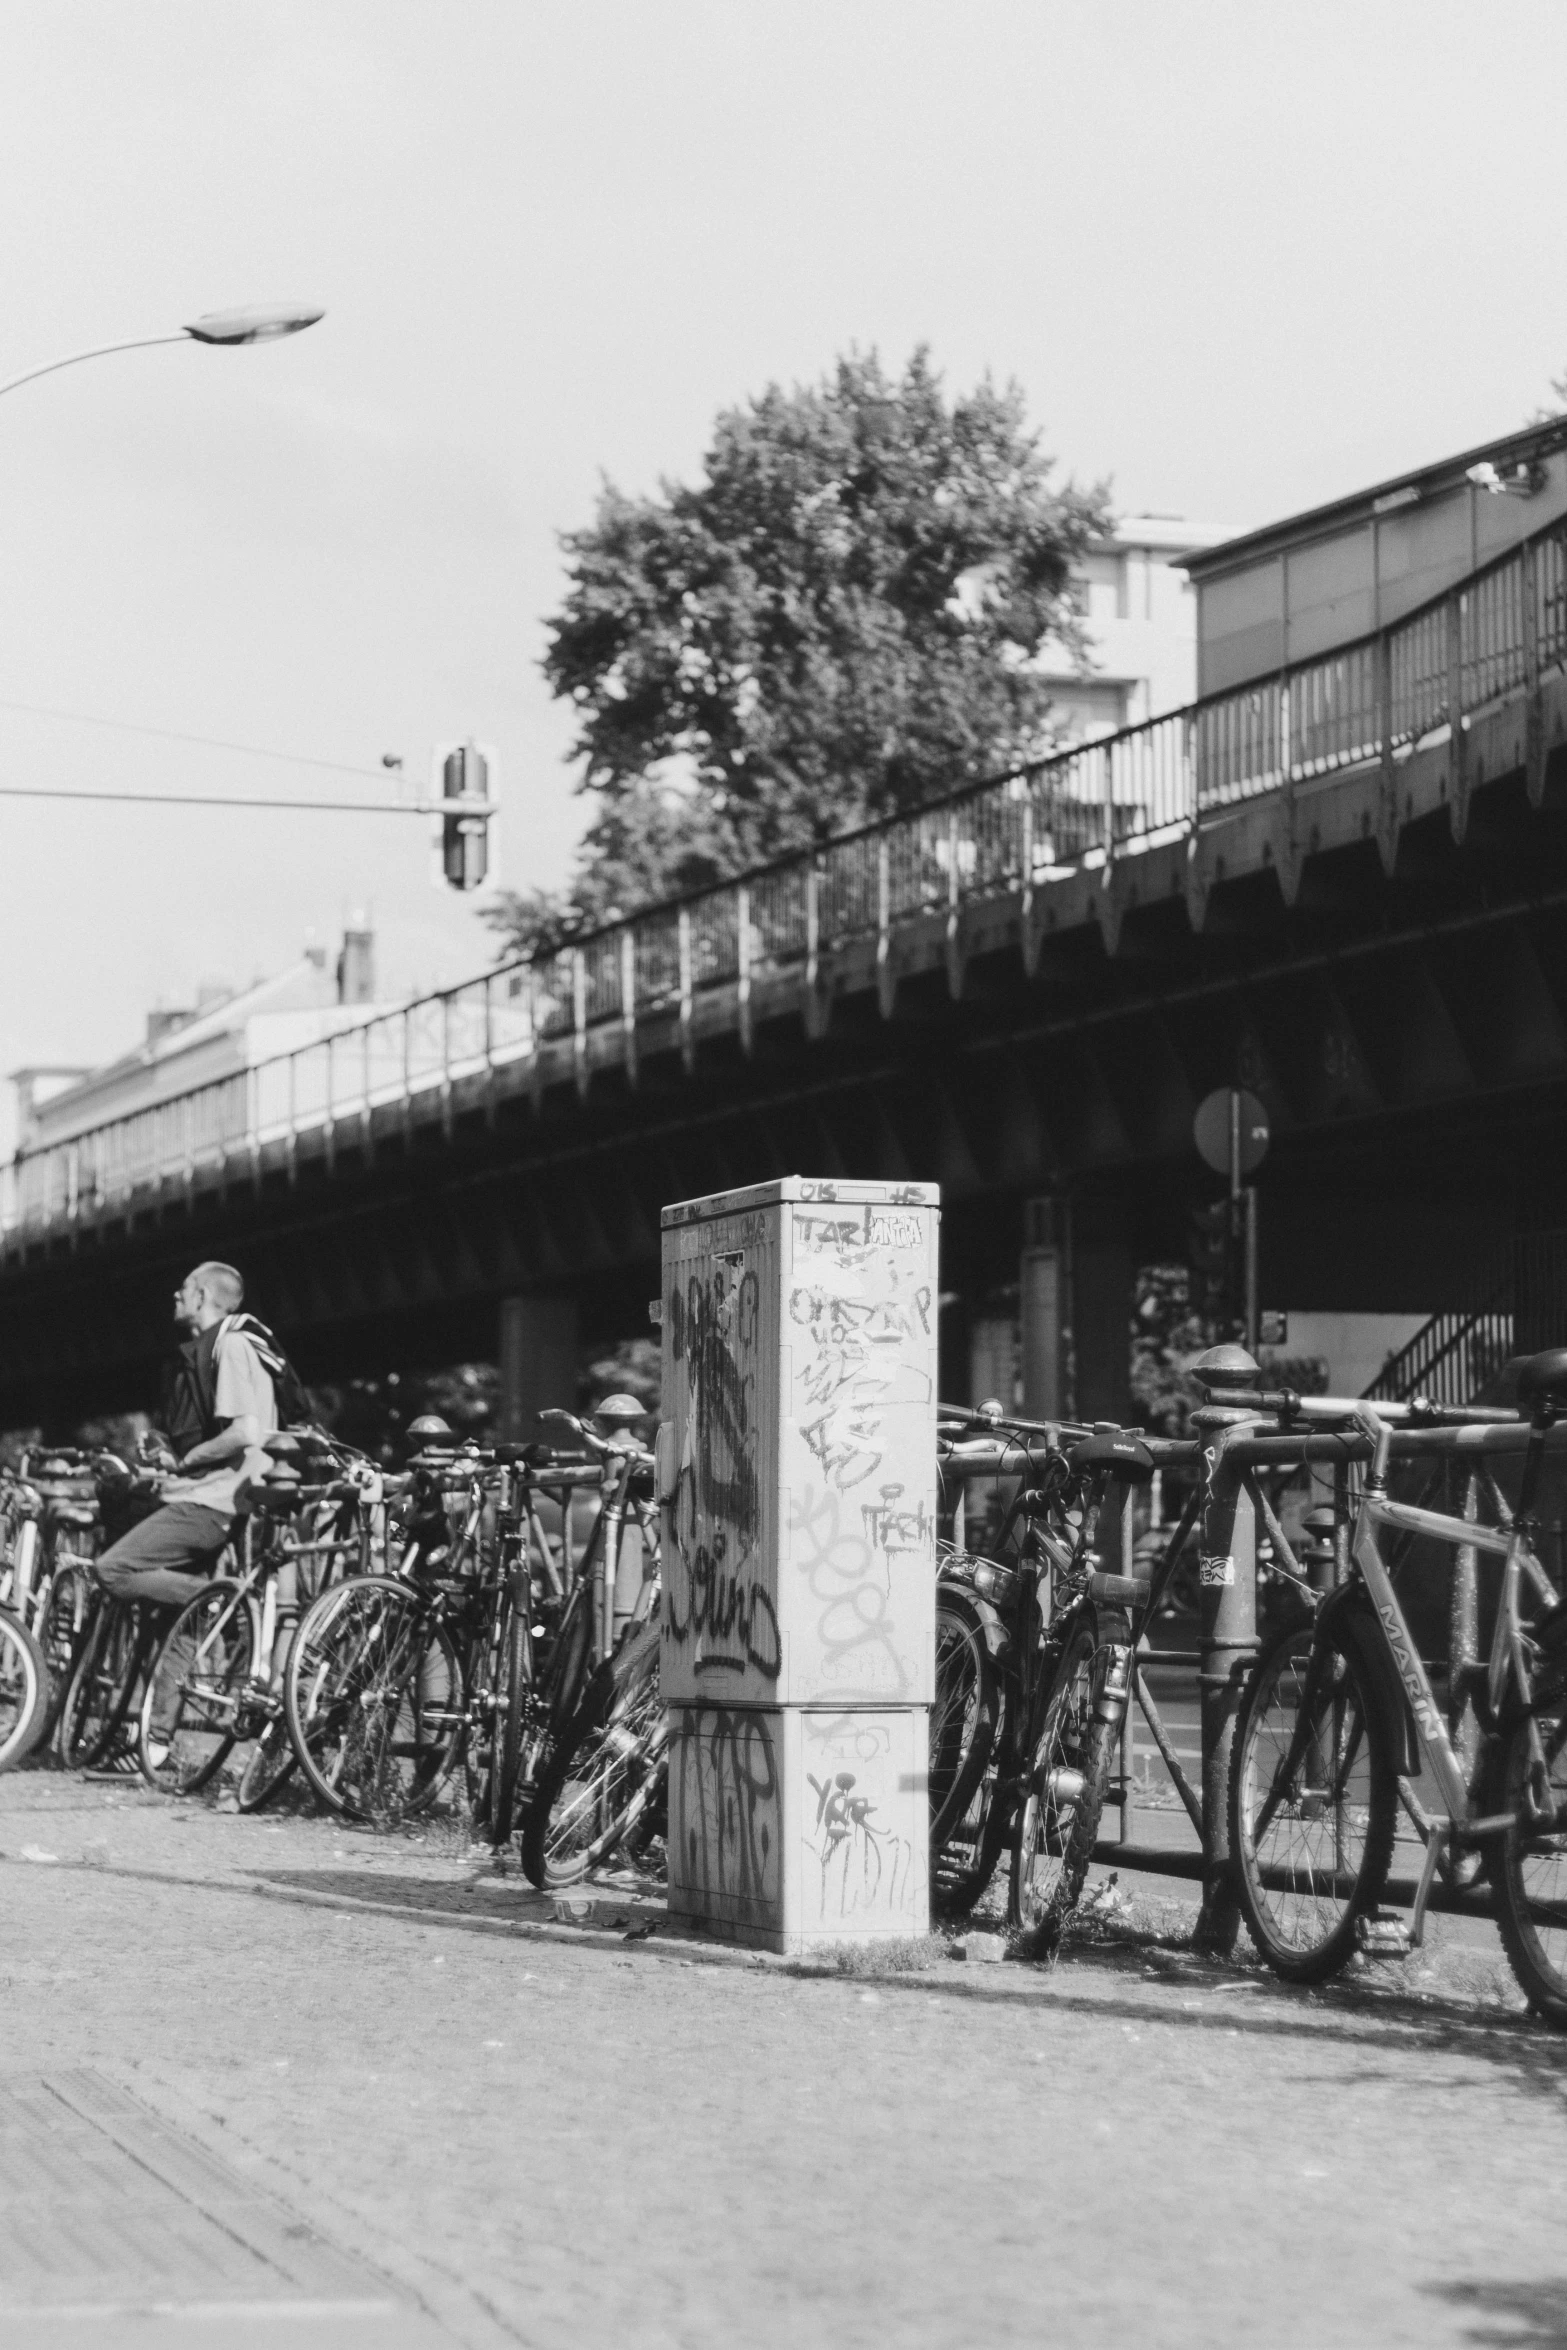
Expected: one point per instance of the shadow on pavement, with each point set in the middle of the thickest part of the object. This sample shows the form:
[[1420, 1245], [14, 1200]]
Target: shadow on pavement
[[1217, 1998], [501, 1899], [1521, 2316]]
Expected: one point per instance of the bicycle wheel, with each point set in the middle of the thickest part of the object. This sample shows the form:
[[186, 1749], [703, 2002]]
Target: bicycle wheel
[[516, 1723], [1313, 1801], [192, 1707], [963, 1716], [1064, 1781], [374, 1698], [318, 1689], [98, 1700], [62, 1619], [481, 1749], [964, 1863], [24, 1690], [606, 1772], [569, 1665], [1529, 1863], [269, 1761]]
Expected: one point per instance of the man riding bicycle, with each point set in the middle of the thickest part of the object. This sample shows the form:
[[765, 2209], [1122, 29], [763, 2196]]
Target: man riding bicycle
[[220, 1407]]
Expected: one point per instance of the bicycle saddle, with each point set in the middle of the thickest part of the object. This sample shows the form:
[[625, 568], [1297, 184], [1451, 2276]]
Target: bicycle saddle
[[1543, 1376], [1116, 1452]]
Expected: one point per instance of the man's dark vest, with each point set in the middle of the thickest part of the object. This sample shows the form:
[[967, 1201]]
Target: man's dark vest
[[190, 1383], [190, 1387]]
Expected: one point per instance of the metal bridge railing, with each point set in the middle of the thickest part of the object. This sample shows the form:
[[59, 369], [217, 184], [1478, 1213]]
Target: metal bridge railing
[[1097, 803]]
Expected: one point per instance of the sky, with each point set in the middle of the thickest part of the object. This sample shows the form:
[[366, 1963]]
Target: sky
[[1240, 258]]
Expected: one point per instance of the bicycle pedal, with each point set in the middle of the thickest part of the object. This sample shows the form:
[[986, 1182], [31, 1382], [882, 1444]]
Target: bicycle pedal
[[1382, 1936]]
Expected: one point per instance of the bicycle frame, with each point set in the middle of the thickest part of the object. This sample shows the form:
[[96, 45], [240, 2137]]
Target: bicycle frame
[[1507, 1664], [1507, 1667]]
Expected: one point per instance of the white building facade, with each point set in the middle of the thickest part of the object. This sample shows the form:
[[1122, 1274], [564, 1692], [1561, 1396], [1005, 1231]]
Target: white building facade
[[1140, 616]]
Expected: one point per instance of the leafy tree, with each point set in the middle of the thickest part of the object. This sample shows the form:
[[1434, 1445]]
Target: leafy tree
[[840, 619], [374, 1413], [1167, 1337]]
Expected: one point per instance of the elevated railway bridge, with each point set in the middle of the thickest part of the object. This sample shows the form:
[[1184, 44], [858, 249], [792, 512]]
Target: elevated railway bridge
[[1342, 886]]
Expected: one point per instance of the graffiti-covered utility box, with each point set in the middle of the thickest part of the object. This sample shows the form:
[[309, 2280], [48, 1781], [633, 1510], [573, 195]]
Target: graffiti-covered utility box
[[790, 1826], [797, 1468], [798, 1452]]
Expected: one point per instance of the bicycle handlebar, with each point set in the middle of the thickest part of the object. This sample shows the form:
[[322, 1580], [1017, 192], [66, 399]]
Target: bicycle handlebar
[[609, 1448], [1284, 1404]]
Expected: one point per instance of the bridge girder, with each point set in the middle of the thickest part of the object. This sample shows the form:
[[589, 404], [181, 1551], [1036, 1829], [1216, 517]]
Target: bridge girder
[[1404, 1019]]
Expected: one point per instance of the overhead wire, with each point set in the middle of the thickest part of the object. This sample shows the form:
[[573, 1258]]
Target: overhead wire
[[191, 799], [206, 742]]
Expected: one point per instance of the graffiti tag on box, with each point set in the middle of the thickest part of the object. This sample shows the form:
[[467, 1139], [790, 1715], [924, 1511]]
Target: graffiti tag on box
[[715, 1595], [726, 1809], [861, 1319], [860, 1865]]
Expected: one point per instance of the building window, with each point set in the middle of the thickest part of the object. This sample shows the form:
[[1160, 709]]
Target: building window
[[1099, 588], [1082, 708]]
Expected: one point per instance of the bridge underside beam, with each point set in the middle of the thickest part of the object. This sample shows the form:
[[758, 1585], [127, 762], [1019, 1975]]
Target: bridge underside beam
[[1404, 1018]]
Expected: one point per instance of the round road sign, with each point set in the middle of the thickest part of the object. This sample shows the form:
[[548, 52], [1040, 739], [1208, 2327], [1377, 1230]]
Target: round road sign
[[1214, 1133]]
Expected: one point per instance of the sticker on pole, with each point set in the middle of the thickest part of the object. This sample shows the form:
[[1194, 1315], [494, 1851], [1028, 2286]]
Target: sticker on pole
[[1215, 1574]]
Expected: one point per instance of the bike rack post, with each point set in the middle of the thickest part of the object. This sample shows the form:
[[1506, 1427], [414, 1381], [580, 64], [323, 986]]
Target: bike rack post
[[1227, 1573]]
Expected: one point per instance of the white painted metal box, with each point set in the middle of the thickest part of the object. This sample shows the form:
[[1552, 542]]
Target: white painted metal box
[[798, 1451], [790, 1826]]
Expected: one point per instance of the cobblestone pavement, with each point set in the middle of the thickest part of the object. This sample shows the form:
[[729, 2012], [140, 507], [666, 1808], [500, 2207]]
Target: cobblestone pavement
[[231, 2109]]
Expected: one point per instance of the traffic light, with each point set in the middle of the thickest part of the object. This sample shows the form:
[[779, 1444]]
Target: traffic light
[[464, 775], [1212, 1257]]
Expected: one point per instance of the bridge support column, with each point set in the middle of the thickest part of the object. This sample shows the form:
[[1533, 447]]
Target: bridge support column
[[539, 1360], [1076, 1295], [1103, 1295], [1045, 1309]]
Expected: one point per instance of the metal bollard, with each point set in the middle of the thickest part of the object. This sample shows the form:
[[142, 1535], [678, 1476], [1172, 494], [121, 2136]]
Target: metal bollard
[[1227, 1568]]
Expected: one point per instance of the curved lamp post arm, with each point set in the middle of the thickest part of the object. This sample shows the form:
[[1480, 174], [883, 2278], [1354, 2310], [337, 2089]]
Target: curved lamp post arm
[[259, 322], [99, 351]]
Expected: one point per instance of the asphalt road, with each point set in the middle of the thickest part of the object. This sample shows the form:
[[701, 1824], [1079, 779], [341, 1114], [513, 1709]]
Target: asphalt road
[[231, 2111]]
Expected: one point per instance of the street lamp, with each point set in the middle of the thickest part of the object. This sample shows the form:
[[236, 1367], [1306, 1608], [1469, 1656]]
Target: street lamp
[[261, 322]]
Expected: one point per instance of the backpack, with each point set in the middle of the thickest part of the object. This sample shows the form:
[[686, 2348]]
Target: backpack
[[191, 1383]]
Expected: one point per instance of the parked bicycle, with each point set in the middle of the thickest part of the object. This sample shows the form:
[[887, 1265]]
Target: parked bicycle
[[603, 1780], [479, 1644], [1039, 1659], [108, 1715], [1339, 1715], [217, 1682], [51, 1531]]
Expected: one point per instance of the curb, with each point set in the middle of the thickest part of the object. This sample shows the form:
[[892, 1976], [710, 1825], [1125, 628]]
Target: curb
[[1349, 2008], [654, 1944]]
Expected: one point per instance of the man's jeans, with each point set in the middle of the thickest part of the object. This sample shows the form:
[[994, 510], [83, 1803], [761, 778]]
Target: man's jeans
[[168, 1558]]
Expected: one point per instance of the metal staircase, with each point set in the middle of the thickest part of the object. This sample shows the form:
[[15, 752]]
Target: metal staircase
[[1457, 1355]]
